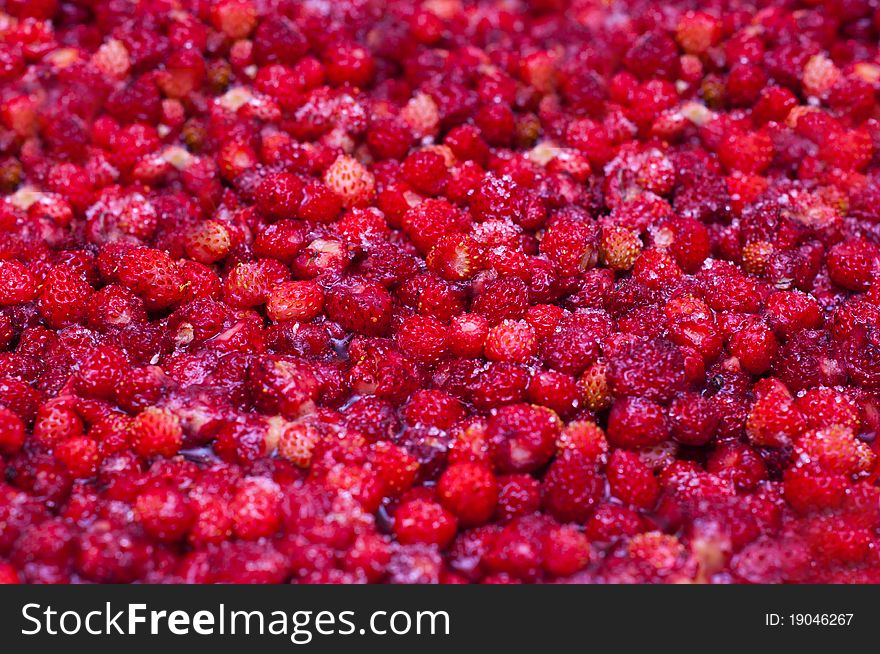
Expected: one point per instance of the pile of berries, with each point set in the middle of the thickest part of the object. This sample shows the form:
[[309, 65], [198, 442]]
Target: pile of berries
[[441, 291]]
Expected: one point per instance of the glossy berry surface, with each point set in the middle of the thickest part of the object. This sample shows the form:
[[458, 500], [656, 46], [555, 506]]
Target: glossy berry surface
[[415, 292]]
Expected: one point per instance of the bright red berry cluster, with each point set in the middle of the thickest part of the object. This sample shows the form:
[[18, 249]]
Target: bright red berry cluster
[[440, 291]]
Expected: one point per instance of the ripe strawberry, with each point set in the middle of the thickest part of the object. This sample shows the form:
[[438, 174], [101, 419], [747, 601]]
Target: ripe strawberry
[[470, 491], [631, 481], [424, 521], [255, 508], [619, 248], [64, 296], [522, 437], [300, 301], [511, 340], [360, 305], [235, 18], [774, 420], [17, 284], [153, 276], [80, 456], [835, 450], [12, 435], [351, 181], [566, 550], [156, 432], [746, 152], [637, 422], [208, 242], [423, 339], [572, 245], [250, 284], [571, 487]]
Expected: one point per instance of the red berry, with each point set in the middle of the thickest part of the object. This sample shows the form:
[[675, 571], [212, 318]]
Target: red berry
[[164, 513], [156, 432], [522, 437], [470, 491], [255, 508], [637, 422], [566, 550], [570, 488], [631, 481], [360, 305], [424, 521]]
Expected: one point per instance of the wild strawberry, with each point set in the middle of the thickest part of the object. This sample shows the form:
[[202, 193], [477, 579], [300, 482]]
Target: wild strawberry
[[453, 257], [697, 31], [112, 433], [791, 311], [153, 276], [467, 335], [208, 242], [164, 513], [101, 373], [431, 220], [739, 463], [852, 263], [424, 521], [504, 298], [255, 508], [470, 491], [574, 344], [426, 172], [808, 489], [396, 468], [566, 550], [593, 387], [653, 369], [236, 18], [280, 384], [56, 423], [156, 432], [510, 341], [281, 240], [653, 55], [610, 521], [746, 152], [423, 339], [827, 407], [631, 481], [656, 270], [694, 419], [754, 346], [835, 450], [348, 63], [279, 40], [774, 420], [249, 284], [570, 488], [360, 305], [300, 301], [296, 441], [637, 422], [17, 284], [279, 196], [350, 180], [12, 436], [584, 438], [619, 247], [64, 296], [554, 390], [573, 245], [320, 203], [522, 437]]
